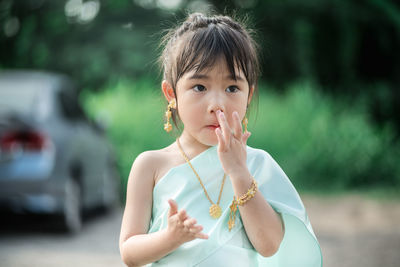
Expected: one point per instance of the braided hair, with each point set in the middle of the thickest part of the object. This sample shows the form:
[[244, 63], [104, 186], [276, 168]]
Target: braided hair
[[201, 40]]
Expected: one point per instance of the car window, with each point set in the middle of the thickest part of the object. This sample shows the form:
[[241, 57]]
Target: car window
[[17, 97], [70, 106]]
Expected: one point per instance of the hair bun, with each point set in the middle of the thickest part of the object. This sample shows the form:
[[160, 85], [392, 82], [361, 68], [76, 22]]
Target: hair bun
[[195, 17], [198, 20]]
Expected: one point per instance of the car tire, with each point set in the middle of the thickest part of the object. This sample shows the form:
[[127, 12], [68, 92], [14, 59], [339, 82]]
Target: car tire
[[111, 193], [72, 208]]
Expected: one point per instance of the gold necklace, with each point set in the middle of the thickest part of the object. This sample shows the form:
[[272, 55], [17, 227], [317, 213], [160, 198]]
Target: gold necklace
[[215, 209]]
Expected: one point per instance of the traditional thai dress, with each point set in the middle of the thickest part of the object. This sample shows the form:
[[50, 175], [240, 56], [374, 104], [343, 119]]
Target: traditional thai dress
[[299, 247]]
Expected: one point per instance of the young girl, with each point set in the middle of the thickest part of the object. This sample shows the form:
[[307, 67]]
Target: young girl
[[208, 199]]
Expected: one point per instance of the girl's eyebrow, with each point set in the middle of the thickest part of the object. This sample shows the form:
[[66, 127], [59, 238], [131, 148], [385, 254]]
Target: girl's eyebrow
[[206, 77]]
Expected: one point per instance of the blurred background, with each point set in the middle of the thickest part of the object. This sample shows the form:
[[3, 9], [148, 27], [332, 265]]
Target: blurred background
[[328, 112]]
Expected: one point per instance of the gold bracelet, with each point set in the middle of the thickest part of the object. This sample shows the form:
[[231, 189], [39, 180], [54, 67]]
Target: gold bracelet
[[241, 201], [249, 195]]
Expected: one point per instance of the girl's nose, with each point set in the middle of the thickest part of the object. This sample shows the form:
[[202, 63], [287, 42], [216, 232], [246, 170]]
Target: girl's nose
[[214, 106], [216, 101]]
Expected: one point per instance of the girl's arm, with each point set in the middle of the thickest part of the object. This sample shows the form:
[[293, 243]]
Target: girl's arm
[[136, 246], [141, 249], [264, 226]]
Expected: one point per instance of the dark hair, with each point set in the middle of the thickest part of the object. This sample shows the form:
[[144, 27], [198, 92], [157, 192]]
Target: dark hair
[[200, 41]]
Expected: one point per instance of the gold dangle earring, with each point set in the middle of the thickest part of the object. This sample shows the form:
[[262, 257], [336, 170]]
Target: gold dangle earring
[[245, 122], [168, 125]]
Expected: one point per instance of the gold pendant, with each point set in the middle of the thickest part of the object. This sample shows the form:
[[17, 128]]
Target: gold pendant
[[215, 211]]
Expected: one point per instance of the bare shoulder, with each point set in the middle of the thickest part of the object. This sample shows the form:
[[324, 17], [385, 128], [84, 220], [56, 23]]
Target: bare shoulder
[[157, 162], [146, 159], [167, 158], [143, 166]]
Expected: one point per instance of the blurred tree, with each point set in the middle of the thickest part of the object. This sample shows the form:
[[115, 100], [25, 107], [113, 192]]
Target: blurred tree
[[90, 40], [347, 46]]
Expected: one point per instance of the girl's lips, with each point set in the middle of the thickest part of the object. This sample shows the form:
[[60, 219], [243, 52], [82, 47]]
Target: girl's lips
[[213, 127]]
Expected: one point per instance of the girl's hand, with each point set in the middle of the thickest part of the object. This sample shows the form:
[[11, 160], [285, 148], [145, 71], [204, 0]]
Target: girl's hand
[[231, 144], [181, 227]]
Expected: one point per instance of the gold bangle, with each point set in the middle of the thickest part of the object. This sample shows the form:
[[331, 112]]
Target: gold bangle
[[249, 195], [241, 201]]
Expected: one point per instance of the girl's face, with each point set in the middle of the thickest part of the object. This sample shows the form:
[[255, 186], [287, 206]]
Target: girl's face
[[200, 95]]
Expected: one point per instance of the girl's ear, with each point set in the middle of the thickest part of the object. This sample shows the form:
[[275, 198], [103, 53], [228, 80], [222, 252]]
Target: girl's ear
[[250, 95], [167, 90]]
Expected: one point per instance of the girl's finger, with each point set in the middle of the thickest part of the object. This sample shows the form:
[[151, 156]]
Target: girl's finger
[[196, 229], [221, 140], [190, 222], [182, 215], [226, 131], [173, 207], [237, 126], [245, 137], [201, 235]]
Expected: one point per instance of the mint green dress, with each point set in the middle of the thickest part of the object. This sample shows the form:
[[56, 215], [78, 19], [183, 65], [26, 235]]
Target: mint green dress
[[299, 247]]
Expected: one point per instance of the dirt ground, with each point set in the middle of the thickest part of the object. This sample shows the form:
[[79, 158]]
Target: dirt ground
[[355, 230], [352, 230]]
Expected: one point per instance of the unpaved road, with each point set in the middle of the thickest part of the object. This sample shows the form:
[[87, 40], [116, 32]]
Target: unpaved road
[[96, 245], [356, 231], [352, 231]]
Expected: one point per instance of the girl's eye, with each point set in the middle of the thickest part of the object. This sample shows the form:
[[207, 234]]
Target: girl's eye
[[199, 88], [232, 89]]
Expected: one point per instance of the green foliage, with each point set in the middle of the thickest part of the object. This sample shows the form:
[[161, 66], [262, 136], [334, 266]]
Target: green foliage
[[324, 144], [319, 143]]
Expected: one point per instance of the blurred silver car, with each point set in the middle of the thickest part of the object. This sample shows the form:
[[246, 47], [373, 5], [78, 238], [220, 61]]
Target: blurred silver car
[[53, 159]]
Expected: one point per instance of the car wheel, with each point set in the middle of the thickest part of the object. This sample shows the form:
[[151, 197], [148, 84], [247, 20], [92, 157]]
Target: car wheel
[[111, 191], [72, 213]]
